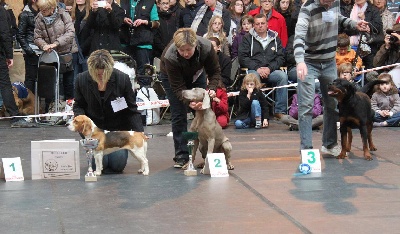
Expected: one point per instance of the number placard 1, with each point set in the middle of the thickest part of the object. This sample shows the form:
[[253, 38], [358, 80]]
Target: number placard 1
[[312, 158], [13, 169], [215, 164]]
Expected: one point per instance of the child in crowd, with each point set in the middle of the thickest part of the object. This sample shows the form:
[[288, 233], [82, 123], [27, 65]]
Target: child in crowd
[[345, 71], [216, 29], [345, 54], [246, 23], [386, 103], [292, 118], [253, 106], [224, 62], [220, 106]]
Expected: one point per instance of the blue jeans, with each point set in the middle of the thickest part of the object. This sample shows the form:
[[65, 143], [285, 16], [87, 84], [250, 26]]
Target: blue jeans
[[255, 112], [393, 121], [326, 73], [277, 78], [178, 115]]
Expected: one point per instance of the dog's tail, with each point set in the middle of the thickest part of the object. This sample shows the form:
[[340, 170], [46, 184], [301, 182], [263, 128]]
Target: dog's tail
[[369, 87]]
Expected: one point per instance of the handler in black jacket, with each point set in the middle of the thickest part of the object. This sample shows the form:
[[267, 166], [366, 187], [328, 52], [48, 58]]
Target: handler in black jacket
[[101, 85]]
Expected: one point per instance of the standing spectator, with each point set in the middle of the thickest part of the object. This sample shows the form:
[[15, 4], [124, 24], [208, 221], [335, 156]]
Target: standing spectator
[[105, 23], [184, 65], [189, 12], [140, 19], [365, 10], [54, 30], [345, 7], [262, 53], [6, 62], [215, 29], [317, 61], [206, 12], [387, 16], [237, 11], [275, 20], [12, 22], [246, 23], [169, 23], [386, 103], [286, 9], [79, 14], [25, 37]]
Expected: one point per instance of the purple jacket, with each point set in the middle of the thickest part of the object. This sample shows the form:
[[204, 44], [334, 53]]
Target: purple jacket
[[294, 107], [236, 42]]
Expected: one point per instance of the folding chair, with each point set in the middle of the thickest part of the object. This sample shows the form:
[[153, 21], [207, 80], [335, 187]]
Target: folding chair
[[47, 80]]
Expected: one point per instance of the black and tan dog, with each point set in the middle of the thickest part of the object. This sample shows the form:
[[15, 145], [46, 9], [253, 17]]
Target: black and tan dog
[[354, 112]]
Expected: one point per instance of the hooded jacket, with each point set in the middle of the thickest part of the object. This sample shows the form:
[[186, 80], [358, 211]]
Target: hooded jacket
[[252, 55]]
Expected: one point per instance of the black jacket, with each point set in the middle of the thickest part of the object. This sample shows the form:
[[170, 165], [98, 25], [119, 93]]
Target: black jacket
[[226, 67], [26, 26], [106, 28], [83, 32], [188, 13], [169, 23], [88, 102], [6, 45], [245, 104]]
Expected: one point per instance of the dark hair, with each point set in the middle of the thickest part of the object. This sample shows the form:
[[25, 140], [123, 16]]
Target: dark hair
[[260, 16], [343, 40], [278, 6], [216, 40]]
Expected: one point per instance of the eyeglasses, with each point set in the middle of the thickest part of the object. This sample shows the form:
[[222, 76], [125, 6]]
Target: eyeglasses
[[164, 3]]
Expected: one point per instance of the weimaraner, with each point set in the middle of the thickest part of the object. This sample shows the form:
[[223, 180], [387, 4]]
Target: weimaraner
[[211, 138]]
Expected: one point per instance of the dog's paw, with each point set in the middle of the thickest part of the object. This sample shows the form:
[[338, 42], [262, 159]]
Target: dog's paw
[[230, 166], [200, 165], [368, 157], [146, 173], [184, 167], [341, 156], [97, 173], [373, 148], [202, 171]]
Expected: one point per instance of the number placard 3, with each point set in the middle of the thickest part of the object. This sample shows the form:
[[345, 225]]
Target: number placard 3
[[312, 157], [13, 169]]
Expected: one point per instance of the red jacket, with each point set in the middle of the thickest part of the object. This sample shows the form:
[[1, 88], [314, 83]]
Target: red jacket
[[222, 107], [276, 23]]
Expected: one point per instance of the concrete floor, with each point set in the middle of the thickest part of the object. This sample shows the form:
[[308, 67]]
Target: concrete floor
[[262, 195]]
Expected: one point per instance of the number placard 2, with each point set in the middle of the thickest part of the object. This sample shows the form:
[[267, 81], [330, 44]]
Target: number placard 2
[[312, 158], [13, 169], [215, 164]]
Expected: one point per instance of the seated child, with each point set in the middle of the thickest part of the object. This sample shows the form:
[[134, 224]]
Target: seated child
[[345, 72], [253, 105], [345, 54], [292, 118], [386, 103], [246, 23], [219, 104]]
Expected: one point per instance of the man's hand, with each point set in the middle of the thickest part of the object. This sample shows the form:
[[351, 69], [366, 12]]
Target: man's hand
[[302, 71], [264, 72], [10, 63], [362, 26]]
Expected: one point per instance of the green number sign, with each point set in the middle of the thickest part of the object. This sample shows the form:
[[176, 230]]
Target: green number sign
[[217, 162], [13, 166], [311, 159]]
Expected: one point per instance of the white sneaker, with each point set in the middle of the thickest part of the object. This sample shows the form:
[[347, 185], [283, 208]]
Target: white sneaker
[[335, 151]]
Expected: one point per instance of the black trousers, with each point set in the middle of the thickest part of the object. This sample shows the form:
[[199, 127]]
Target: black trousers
[[6, 88], [31, 70]]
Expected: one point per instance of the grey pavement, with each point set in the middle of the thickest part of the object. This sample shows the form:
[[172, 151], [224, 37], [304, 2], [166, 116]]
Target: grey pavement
[[262, 195]]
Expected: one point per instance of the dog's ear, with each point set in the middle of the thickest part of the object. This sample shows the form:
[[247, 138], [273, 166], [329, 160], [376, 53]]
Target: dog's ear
[[206, 100]]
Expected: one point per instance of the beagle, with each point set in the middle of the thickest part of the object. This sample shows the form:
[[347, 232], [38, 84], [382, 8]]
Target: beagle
[[135, 142]]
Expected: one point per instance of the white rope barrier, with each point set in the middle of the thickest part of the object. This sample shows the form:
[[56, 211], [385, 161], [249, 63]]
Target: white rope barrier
[[377, 68]]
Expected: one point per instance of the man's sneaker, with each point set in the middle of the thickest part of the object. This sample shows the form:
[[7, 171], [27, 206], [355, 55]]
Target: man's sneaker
[[258, 124], [335, 151], [22, 123], [180, 163]]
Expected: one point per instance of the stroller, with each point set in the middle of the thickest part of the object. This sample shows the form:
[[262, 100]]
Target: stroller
[[47, 82]]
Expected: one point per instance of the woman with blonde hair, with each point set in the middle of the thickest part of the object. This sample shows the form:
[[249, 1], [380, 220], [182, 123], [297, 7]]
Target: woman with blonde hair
[[97, 89], [216, 29], [184, 65]]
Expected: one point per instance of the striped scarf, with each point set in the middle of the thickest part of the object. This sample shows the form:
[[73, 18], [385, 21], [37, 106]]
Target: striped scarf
[[200, 14]]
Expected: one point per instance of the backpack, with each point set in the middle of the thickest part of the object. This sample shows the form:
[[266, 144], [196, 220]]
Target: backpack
[[148, 94]]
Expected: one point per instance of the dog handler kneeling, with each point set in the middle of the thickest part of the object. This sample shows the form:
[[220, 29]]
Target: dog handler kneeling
[[184, 65], [95, 91]]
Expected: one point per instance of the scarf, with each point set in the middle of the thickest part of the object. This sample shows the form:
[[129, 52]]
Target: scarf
[[50, 19], [354, 16], [200, 14]]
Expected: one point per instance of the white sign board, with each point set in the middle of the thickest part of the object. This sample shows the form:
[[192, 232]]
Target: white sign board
[[215, 164], [13, 169], [312, 158], [55, 159]]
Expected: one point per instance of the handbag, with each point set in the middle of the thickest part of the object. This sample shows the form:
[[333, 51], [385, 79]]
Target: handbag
[[66, 63]]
